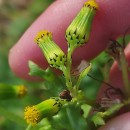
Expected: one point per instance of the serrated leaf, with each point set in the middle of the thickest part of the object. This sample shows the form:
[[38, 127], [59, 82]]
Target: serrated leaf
[[70, 118], [35, 70]]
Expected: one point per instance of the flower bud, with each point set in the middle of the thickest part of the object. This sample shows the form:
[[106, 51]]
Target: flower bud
[[53, 53], [11, 91], [78, 31], [47, 108]]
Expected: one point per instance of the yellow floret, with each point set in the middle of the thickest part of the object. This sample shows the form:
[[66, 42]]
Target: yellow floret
[[43, 34], [31, 115], [22, 91], [92, 3]]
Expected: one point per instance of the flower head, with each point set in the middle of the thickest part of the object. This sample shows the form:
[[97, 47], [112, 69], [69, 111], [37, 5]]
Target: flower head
[[49, 107], [78, 31], [53, 53], [12, 91], [32, 115], [22, 90]]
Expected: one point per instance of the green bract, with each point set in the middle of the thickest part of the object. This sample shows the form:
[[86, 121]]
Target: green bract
[[49, 107], [79, 30], [54, 55]]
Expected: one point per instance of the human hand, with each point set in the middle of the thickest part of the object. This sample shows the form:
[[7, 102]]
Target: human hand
[[111, 21]]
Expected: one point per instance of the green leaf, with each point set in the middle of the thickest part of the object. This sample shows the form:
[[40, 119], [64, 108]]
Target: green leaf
[[35, 70], [97, 120], [70, 118], [86, 110], [89, 86], [83, 73], [100, 117], [101, 59]]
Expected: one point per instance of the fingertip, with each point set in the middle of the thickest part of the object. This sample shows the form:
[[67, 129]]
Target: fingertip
[[119, 123], [20, 55]]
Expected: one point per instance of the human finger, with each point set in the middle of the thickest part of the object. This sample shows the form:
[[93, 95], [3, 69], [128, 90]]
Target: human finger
[[111, 21], [119, 123]]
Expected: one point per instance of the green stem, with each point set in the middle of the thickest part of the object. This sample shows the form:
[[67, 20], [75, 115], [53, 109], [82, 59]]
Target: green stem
[[69, 57], [68, 79], [67, 70], [100, 117], [115, 108], [29, 127], [124, 68]]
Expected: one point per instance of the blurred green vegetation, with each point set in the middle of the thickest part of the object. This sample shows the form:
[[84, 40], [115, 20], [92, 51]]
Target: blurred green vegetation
[[12, 26]]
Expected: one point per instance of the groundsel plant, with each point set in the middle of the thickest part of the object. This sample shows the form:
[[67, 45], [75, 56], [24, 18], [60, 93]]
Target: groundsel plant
[[77, 35]]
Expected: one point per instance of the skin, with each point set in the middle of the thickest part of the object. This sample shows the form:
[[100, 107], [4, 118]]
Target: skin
[[111, 21]]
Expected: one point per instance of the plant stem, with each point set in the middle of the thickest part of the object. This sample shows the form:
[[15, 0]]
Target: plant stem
[[29, 127], [69, 57], [100, 117], [124, 67], [67, 70], [112, 110], [66, 73]]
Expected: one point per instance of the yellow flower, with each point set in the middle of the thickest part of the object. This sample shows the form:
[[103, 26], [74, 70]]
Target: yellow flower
[[22, 90], [49, 107]]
